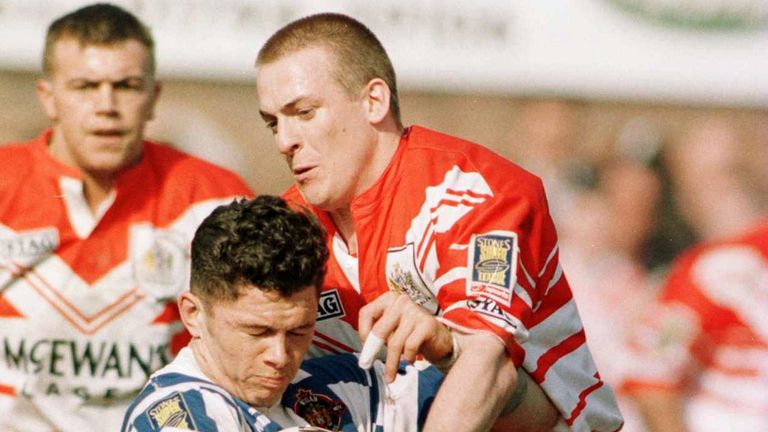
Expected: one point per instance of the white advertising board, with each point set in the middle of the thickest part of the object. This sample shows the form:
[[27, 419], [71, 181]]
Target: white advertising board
[[688, 51]]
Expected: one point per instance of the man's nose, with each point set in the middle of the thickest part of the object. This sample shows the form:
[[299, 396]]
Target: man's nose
[[106, 98], [287, 137], [277, 354]]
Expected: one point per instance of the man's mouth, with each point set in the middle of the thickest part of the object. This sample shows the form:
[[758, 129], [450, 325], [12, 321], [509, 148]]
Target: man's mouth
[[107, 133], [301, 172], [273, 382]]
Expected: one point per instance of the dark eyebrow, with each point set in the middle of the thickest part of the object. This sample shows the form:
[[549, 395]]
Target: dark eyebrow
[[290, 106], [120, 81]]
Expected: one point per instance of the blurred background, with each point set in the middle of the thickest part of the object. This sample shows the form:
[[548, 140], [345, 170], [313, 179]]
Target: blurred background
[[647, 119]]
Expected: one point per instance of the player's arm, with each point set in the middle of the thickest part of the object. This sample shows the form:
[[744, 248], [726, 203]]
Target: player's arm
[[478, 370], [485, 382], [204, 409], [529, 408], [661, 409]]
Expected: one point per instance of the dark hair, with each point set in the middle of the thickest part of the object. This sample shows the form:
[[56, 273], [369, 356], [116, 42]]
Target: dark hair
[[260, 242], [360, 57], [97, 24]]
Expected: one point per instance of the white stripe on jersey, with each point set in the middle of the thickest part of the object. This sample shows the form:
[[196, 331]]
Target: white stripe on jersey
[[555, 278], [559, 326], [549, 260], [523, 294], [451, 275], [531, 282]]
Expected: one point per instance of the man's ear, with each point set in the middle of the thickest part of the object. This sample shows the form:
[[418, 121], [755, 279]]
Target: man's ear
[[192, 313], [44, 91], [377, 95], [156, 90]]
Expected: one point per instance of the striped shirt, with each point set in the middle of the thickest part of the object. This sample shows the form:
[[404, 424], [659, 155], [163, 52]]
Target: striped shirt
[[468, 236], [331, 392]]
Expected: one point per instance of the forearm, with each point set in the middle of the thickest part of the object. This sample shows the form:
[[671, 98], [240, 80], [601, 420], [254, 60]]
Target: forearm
[[662, 410], [476, 388], [533, 413]]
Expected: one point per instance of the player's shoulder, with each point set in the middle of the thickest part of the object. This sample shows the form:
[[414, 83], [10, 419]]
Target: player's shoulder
[[17, 150], [173, 399], [18, 153], [746, 249], [178, 166], [715, 268], [332, 368], [441, 149], [169, 158], [18, 160]]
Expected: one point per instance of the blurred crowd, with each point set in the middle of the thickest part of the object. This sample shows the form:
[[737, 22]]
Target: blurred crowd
[[625, 215]]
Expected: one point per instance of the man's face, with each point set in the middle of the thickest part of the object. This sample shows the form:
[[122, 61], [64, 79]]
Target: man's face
[[99, 99], [253, 346], [325, 135]]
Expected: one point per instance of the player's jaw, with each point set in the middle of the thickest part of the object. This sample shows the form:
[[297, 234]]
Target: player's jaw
[[112, 148], [303, 173], [264, 389]]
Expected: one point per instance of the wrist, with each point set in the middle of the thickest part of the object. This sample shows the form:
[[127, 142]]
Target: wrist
[[445, 363]]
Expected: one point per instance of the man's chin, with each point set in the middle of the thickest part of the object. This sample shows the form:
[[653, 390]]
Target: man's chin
[[262, 401], [312, 197]]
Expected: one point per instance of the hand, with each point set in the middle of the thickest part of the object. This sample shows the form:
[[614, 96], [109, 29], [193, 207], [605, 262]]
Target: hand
[[407, 328]]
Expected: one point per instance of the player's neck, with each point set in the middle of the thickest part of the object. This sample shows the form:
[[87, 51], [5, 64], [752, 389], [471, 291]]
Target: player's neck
[[345, 225], [96, 190]]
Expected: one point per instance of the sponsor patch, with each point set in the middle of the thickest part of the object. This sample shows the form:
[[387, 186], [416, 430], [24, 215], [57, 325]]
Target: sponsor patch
[[330, 305], [494, 314], [492, 262], [28, 245], [319, 410], [171, 412]]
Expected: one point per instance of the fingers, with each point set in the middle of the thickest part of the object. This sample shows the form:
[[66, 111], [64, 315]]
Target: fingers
[[405, 326], [373, 344], [404, 343], [370, 314]]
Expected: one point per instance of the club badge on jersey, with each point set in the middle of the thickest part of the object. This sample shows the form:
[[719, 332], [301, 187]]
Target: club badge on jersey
[[492, 263], [318, 409], [159, 258], [403, 277]]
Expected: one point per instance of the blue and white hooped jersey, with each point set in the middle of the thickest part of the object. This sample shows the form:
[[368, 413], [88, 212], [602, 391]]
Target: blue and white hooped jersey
[[329, 392]]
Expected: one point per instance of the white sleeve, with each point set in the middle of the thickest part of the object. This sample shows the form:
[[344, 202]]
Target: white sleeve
[[176, 408]]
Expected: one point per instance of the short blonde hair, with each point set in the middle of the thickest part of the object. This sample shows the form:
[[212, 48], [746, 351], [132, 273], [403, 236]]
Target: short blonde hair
[[98, 24], [360, 57]]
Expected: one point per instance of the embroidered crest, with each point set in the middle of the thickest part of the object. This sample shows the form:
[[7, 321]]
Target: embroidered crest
[[160, 261], [492, 262], [171, 412], [402, 277], [319, 410]]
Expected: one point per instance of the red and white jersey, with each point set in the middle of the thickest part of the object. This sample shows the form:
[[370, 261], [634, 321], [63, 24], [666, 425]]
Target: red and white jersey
[[87, 301], [467, 235], [707, 336]]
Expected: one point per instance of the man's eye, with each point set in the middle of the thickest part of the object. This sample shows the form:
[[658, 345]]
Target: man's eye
[[302, 332], [129, 85], [85, 86], [306, 113]]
